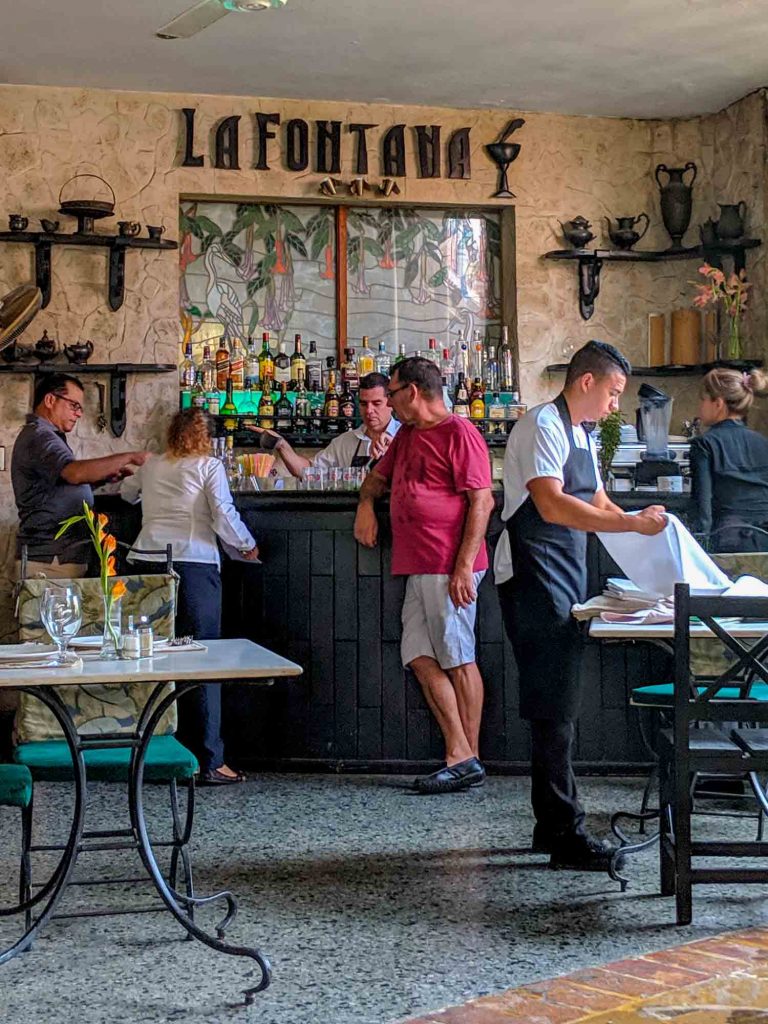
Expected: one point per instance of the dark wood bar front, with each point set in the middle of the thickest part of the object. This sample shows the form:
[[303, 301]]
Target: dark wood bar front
[[323, 601]]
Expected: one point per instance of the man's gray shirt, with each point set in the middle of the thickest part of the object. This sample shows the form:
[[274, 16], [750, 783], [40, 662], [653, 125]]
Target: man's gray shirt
[[43, 497]]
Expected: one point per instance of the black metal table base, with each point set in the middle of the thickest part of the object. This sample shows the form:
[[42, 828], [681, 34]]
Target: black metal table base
[[181, 905]]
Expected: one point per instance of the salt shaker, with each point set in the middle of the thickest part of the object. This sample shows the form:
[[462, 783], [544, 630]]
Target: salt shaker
[[146, 639], [131, 642]]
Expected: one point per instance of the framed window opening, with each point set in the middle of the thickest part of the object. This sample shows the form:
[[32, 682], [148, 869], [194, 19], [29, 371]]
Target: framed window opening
[[408, 272]]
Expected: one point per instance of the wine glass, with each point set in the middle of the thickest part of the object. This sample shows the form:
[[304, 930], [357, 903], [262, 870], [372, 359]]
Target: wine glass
[[61, 614]]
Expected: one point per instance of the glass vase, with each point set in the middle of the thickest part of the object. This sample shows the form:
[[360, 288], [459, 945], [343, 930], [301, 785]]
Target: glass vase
[[112, 640], [734, 338]]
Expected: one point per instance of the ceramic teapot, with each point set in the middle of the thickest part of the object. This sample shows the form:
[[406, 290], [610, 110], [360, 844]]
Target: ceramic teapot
[[731, 223], [45, 347], [128, 228], [576, 232], [624, 235], [80, 352]]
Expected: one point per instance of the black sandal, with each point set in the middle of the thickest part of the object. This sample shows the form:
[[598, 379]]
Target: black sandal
[[214, 777]]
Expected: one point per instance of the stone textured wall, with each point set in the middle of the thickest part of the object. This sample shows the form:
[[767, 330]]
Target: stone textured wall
[[596, 167]]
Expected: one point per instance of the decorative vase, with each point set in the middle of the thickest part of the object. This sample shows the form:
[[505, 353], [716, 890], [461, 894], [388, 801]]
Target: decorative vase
[[734, 338], [111, 643], [731, 224], [676, 201]]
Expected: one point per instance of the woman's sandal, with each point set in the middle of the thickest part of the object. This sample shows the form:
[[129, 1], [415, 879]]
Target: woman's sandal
[[218, 778]]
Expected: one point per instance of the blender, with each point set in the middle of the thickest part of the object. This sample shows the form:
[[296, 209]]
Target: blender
[[653, 418]]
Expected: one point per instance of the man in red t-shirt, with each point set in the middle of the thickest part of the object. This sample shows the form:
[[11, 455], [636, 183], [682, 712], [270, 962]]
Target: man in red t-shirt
[[438, 472]]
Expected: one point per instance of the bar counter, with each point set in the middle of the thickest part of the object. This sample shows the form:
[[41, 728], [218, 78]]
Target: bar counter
[[321, 600]]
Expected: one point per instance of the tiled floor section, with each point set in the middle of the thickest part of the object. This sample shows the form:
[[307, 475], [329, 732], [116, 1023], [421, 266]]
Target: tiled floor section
[[722, 980]]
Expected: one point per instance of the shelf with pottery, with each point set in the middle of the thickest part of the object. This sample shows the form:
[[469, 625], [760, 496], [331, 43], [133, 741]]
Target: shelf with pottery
[[118, 245], [117, 373], [591, 261]]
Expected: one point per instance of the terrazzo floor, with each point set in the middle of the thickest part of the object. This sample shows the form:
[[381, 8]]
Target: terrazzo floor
[[373, 905]]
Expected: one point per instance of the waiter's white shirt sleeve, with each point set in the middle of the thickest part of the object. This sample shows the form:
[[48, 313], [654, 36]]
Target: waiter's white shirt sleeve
[[537, 447]]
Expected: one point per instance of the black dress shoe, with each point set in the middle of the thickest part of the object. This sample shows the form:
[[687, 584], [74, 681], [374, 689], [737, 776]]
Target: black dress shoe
[[453, 779], [580, 852]]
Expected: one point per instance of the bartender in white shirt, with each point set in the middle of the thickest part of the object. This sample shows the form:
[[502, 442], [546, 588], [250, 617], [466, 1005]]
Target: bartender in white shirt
[[359, 448], [553, 497], [186, 502]]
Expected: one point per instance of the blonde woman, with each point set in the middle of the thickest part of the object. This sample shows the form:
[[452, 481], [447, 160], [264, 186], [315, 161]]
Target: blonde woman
[[186, 502], [729, 464]]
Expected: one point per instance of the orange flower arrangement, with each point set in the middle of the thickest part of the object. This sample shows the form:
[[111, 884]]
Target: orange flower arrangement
[[729, 291], [105, 546]]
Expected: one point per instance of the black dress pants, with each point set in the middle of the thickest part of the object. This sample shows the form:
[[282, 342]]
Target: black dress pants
[[554, 798], [198, 614]]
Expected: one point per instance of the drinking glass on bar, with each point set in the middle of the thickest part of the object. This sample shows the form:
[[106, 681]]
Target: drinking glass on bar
[[61, 614], [335, 478]]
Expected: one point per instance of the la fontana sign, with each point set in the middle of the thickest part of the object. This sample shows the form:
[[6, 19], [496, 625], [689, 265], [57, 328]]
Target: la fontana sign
[[299, 144]]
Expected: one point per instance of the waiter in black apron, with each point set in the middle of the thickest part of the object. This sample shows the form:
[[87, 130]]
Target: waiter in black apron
[[553, 497]]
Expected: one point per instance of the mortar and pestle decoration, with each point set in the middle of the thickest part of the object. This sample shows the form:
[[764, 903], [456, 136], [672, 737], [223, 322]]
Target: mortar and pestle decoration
[[503, 153]]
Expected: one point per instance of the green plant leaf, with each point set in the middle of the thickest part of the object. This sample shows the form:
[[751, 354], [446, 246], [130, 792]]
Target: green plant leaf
[[319, 241], [296, 243], [439, 278], [411, 271], [291, 221], [372, 246]]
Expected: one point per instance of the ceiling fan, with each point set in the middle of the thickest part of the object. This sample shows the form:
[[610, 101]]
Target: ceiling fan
[[203, 14], [17, 310]]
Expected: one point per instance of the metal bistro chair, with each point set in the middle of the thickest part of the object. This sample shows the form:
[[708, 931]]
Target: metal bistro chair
[[707, 658], [739, 693], [104, 715]]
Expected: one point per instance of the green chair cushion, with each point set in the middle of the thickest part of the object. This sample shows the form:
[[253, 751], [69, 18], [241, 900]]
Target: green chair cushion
[[15, 785], [166, 759], [660, 695]]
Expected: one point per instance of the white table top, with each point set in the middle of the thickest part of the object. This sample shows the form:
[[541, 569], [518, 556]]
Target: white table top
[[666, 630], [224, 659]]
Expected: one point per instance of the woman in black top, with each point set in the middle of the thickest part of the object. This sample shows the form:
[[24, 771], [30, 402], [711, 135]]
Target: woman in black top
[[729, 464]]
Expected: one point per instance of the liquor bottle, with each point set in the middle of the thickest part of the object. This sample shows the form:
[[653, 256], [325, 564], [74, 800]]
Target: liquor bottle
[[314, 367], [252, 366], [383, 360], [187, 370], [461, 399], [212, 401], [477, 403], [283, 410], [400, 354], [496, 415], [302, 410], [492, 379], [222, 364], [506, 362], [266, 363], [347, 408], [448, 370], [197, 398], [461, 356], [478, 357], [237, 364], [298, 364], [331, 409], [366, 362], [248, 403], [316, 406], [349, 375], [267, 408], [432, 354], [229, 460], [229, 408], [330, 364], [282, 366], [208, 370]]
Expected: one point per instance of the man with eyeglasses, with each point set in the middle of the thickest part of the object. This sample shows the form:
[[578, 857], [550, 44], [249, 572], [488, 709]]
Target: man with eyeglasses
[[438, 473], [50, 484]]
